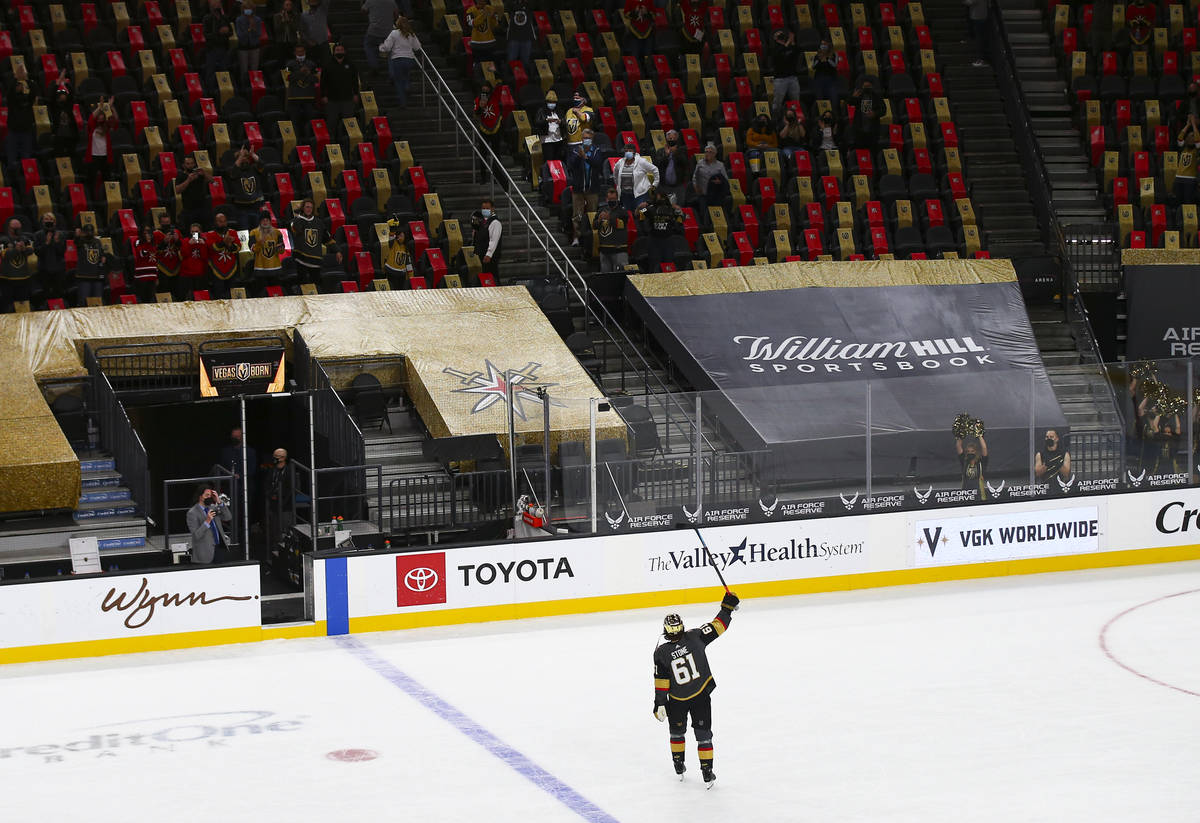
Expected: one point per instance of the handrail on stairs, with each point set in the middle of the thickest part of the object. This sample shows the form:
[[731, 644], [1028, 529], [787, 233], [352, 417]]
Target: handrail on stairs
[[595, 312]]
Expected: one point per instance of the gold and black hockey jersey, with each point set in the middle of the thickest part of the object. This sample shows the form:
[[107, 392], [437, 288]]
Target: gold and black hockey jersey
[[681, 669]]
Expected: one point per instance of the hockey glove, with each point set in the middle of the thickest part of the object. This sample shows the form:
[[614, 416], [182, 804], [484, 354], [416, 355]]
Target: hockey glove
[[730, 601], [661, 713]]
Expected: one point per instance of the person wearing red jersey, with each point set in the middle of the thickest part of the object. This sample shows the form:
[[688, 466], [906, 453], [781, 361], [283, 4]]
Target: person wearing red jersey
[[639, 22], [193, 265], [145, 265], [168, 257], [223, 247]]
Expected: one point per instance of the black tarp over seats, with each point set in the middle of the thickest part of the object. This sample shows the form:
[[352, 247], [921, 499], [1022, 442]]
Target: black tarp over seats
[[790, 349]]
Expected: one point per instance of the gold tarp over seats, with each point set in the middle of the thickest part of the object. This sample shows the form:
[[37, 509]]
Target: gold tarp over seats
[[779, 276], [1160, 257], [460, 329]]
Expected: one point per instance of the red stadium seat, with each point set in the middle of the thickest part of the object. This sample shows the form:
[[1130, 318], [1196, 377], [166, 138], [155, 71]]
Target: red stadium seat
[[486, 278], [367, 159], [201, 294], [420, 184], [383, 134], [435, 263], [350, 287], [55, 303], [321, 137], [750, 226], [558, 180], [420, 237], [274, 291], [417, 283]]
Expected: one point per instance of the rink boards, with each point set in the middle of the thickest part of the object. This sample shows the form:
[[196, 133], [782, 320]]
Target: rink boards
[[359, 592]]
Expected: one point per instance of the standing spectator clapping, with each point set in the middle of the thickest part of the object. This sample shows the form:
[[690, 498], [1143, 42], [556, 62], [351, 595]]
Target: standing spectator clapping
[[249, 28], [633, 176], [314, 29], [50, 246], [339, 84], [522, 32], [285, 30], [303, 76]]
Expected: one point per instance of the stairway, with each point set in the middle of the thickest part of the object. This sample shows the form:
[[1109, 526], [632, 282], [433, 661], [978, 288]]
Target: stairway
[[993, 168], [1075, 195], [1081, 388]]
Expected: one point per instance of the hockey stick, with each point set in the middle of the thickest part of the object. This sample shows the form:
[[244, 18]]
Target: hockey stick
[[711, 561]]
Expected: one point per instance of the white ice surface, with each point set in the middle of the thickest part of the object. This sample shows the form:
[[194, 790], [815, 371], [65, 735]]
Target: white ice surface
[[974, 701]]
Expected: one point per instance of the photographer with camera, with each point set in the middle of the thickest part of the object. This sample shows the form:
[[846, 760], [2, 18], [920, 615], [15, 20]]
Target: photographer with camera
[[205, 521], [98, 155]]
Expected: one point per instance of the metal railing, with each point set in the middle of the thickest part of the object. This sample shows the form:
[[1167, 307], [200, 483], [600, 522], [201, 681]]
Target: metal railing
[[558, 262], [179, 495], [1093, 254], [149, 367], [117, 435], [334, 426]]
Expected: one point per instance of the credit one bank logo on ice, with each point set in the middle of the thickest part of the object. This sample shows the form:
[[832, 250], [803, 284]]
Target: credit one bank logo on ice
[[152, 737], [953, 540]]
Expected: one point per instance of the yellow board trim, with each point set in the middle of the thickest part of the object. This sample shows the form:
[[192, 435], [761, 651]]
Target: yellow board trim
[[781, 588], [157, 642]]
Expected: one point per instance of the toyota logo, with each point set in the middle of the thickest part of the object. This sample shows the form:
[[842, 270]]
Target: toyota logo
[[420, 580]]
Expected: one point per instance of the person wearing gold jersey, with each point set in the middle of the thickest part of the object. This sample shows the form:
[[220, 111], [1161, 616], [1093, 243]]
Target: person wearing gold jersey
[[397, 256], [266, 244], [1188, 144]]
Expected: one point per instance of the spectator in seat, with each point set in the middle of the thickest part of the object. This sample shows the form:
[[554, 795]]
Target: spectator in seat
[[63, 128], [1052, 460], [249, 27], [193, 264], [314, 29], [611, 226], [661, 220], [792, 136], [310, 239], [868, 110], [522, 33], [19, 143], [827, 136], [50, 246], [579, 117], [760, 139], [266, 243], [1188, 143], [674, 167], [217, 30], [90, 267], [708, 168], [16, 266], [824, 73], [488, 237], [400, 48], [339, 84], [633, 177], [549, 125], [195, 198], [98, 155], [973, 459], [223, 246], [145, 266], [285, 31], [168, 256], [639, 22], [303, 76], [247, 192], [397, 256], [788, 61], [585, 173], [483, 20], [380, 16]]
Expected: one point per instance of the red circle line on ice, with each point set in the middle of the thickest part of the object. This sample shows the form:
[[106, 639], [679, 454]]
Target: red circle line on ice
[[352, 755], [1126, 666]]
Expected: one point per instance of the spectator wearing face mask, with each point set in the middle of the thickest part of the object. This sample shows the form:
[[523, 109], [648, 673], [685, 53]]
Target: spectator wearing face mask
[[585, 174], [868, 110], [521, 35], [611, 227], [145, 266], [792, 136], [482, 22], [579, 117], [827, 135], [302, 79], [314, 29], [488, 237], [824, 73], [549, 126], [633, 176], [760, 139], [50, 246], [674, 166], [708, 179], [339, 84], [249, 27], [16, 266], [285, 30], [91, 265], [788, 61], [639, 23], [490, 116]]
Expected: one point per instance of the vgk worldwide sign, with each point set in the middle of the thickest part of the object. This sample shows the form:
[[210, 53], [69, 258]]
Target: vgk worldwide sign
[[232, 372]]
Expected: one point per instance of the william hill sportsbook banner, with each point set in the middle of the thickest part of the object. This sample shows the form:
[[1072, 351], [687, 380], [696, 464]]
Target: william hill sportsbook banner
[[230, 372], [1164, 311], [793, 365]]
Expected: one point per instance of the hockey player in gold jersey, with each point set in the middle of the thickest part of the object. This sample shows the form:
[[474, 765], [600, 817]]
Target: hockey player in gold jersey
[[683, 683]]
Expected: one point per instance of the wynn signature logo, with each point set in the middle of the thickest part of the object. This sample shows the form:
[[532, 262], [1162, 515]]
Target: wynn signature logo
[[140, 605]]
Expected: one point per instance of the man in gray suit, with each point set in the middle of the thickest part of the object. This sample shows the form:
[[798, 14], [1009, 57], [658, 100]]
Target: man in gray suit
[[209, 542]]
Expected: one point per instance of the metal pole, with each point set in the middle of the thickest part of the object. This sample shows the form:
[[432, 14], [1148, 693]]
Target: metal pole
[[1032, 425], [869, 427], [592, 456], [312, 469], [512, 442], [699, 460], [245, 486], [545, 395]]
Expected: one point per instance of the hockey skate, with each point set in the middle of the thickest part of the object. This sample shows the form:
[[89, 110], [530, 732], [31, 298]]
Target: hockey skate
[[680, 768], [710, 777]]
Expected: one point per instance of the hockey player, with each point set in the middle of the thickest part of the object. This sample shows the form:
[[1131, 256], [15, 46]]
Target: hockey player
[[683, 683]]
